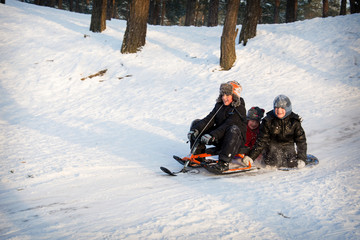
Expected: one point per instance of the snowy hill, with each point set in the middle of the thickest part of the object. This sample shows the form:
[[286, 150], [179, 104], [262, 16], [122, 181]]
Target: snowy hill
[[80, 158]]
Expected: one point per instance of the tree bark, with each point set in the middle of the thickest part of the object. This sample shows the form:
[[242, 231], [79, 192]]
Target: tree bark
[[163, 11], [109, 9], [354, 6], [98, 16], [291, 10], [343, 7], [248, 29], [190, 13], [325, 12], [277, 11], [213, 13], [60, 4], [136, 26], [228, 54]]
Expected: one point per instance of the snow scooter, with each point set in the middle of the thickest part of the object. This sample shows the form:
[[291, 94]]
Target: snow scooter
[[206, 160]]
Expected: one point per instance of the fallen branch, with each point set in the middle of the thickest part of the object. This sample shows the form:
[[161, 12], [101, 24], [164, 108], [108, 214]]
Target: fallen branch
[[283, 215], [100, 73]]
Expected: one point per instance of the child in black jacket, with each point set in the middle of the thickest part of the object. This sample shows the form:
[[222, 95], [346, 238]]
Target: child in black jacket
[[224, 126], [280, 131]]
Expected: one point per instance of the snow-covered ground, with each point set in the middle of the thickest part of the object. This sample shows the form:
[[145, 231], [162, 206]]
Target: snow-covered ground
[[80, 158]]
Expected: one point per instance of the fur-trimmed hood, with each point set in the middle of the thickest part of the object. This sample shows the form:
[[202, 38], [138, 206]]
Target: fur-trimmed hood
[[231, 88]]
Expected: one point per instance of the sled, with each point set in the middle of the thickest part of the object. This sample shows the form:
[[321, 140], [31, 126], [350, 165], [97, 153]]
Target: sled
[[207, 159]]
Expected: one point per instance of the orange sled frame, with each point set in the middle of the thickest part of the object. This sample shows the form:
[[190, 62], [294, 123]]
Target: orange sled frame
[[192, 159]]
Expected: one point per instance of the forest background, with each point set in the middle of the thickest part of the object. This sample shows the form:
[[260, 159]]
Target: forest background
[[175, 12]]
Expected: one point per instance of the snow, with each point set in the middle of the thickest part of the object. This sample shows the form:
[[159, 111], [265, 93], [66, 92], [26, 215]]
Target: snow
[[80, 158]]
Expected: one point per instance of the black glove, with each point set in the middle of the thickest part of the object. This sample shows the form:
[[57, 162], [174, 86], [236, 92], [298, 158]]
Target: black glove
[[192, 134], [207, 139]]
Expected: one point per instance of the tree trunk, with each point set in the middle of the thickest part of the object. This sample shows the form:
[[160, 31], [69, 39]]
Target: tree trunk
[[136, 26], [248, 29], [343, 7], [109, 10], [291, 10], [354, 6], [71, 5], [325, 8], [213, 13], [190, 13], [157, 13], [60, 4], [2, 1], [77, 6], [163, 11], [98, 16], [228, 54], [277, 11]]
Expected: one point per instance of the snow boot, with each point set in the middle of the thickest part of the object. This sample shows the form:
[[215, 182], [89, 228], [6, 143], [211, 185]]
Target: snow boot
[[219, 167]]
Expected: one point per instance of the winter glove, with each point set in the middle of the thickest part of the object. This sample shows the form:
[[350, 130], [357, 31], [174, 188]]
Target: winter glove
[[207, 139], [192, 134], [300, 163], [246, 160]]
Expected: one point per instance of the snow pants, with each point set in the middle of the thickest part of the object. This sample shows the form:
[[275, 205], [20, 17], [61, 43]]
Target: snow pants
[[279, 155], [227, 147]]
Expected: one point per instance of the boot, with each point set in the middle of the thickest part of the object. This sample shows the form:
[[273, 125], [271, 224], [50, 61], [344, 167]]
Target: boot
[[220, 167]]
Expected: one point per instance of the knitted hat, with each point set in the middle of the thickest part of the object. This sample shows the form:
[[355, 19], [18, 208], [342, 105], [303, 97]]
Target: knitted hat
[[231, 88], [255, 113], [284, 102]]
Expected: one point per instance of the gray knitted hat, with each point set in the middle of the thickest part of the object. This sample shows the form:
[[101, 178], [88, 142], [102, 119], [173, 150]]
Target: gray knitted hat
[[284, 102]]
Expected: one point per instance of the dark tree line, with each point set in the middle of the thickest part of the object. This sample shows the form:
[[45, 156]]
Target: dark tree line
[[228, 13], [213, 12]]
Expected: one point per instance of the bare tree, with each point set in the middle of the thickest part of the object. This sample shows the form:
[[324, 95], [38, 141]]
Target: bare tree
[[277, 11], [228, 54], [163, 11], [213, 13], [325, 12], [111, 9], [291, 10], [190, 12], [354, 6], [343, 7], [136, 26], [98, 16], [252, 15], [155, 12], [60, 4]]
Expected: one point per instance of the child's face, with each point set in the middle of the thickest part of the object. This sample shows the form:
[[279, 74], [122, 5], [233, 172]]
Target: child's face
[[253, 124], [227, 99], [280, 112]]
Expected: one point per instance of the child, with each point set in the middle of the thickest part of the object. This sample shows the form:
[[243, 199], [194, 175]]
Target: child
[[254, 116], [224, 126], [280, 130]]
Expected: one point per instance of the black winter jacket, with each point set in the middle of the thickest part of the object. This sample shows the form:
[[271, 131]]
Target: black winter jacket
[[226, 117], [281, 132]]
